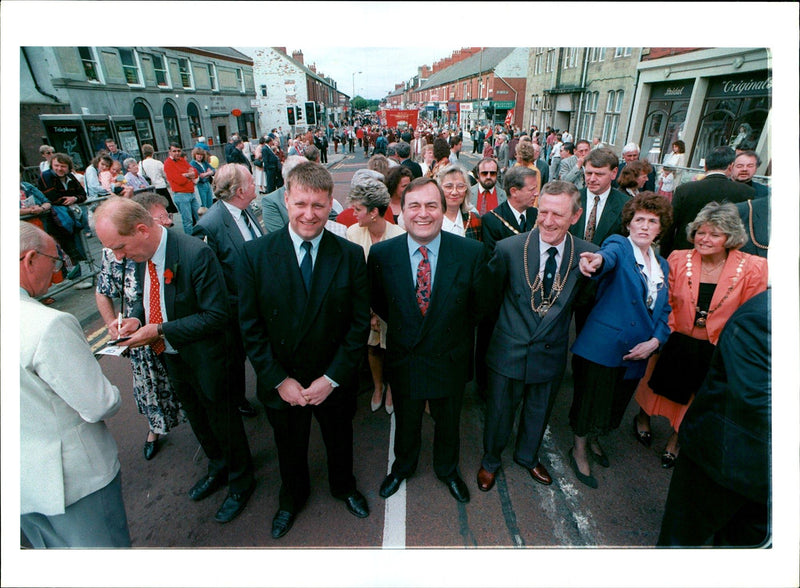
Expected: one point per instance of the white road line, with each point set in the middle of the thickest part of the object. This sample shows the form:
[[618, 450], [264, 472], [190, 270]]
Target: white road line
[[582, 517], [394, 518]]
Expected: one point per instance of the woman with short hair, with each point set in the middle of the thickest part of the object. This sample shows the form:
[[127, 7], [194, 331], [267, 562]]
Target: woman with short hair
[[458, 218]]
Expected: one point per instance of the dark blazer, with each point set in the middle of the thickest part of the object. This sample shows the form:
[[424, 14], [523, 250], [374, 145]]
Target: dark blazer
[[429, 357], [609, 222], [544, 169], [289, 334], [415, 168], [197, 308], [223, 236], [235, 155], [620, 319], [691, 197], [495, 230], [728, 423], [760, 225], [524, 346]]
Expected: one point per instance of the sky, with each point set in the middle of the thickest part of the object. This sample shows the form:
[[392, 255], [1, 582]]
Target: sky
[[381, 67]]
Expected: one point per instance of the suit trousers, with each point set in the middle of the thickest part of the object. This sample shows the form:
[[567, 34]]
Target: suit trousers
[[701, 512], [292, 427], [96, 520], [216, 423], [446, 414], [236, 380], [505, 394]]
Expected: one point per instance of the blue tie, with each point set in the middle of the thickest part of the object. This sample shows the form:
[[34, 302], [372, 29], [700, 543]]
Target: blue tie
[[306, 268]]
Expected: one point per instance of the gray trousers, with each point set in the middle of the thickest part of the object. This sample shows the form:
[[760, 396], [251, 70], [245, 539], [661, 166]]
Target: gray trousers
[[96, 520]]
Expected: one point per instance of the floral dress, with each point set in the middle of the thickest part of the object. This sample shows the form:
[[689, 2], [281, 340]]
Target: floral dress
[[151, 389]]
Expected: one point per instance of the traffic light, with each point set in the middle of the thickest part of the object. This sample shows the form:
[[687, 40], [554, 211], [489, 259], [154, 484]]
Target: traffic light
[[290, 114], [298, 113], [311, 113]]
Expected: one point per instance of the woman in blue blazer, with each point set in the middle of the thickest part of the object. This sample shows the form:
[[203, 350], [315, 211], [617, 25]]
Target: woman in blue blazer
[[626, 325]]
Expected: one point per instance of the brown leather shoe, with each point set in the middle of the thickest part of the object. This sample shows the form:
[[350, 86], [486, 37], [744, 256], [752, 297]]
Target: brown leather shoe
[[485, 480], [541, 475]]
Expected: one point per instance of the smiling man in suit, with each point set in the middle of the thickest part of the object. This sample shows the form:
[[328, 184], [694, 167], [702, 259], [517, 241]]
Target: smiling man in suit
[[536, 277], [304, 312], [226, 227], [428, 287], [183, 314]]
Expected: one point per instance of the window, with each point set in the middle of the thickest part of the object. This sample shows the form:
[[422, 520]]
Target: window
[[195, 128], [240, 79], [611, 122], [144, 125], [212, 76], [597, 54], [171, 124], [589, 113], [537, 64], [550, 65], [90, 64], [162, 75], [130, 67], [570, 57], [622, 52], [601, 54], [185, 70]]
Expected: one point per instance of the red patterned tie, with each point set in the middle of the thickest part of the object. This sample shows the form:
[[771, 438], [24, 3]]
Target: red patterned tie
[[423, 281], [155, 305]]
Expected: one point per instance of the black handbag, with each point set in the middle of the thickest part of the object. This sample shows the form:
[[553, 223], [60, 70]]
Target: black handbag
[[681, 367]]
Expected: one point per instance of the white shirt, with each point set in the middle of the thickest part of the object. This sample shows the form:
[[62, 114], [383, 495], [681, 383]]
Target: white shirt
[[238, 217], [652, 273], [544, 255], [159, 259], [600, 205], [517, 214], [456, 227]]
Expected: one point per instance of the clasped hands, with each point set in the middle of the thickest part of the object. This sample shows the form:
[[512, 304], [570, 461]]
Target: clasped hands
[[292, 392]]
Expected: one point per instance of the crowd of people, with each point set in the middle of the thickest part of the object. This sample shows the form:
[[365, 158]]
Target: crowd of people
[[433, 274]]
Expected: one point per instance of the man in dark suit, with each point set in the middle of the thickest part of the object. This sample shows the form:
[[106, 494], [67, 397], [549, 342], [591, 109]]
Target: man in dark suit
[[516, 215], [428, 287], [528, 351], [691, 197], [543, 168], [404, 154], [304, 311], [236, 153], [720, 491], [183, 315], [755, 218], [744, 168], [227, 225]]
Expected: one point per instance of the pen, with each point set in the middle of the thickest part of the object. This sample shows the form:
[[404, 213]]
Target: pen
[[119, 324]]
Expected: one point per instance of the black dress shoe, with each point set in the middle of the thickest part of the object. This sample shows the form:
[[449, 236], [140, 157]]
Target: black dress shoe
[[357, 505], [643, 437], [668, 459], [207, 485], [600, 459], [150, 449], [281, 523], [583, 478], [458, 489], [233, 504], [246, 409], [390, 485]]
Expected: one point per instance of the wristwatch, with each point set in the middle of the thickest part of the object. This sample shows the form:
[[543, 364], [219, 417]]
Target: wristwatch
[[160, 329]]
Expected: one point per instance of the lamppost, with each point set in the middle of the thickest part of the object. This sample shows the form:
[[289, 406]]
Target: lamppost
[[354, 83]]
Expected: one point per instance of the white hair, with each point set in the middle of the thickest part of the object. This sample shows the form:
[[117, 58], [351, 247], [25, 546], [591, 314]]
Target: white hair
[[630, 148]]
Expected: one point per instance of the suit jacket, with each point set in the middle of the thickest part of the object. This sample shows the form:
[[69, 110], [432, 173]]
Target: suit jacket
[[544, 170], [494, 229], [620, 319], [728, 423], [429, 357], [415, 168], [609, 223], [273, 210], [473, 195], [290, 334], [197, 309], [566, 165], [236, 156], [66, 451], [746, 283], [691, 197], [502, 156], [524, 346], [758, 219], [222, 234]]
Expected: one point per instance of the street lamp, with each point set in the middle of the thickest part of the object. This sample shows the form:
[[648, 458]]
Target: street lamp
[[354, 82]]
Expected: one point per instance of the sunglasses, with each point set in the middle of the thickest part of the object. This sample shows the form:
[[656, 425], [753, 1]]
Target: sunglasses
[[488, 173]]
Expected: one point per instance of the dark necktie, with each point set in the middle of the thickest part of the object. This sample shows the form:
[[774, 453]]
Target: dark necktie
[[306, 267], [154, 317], [423, 281], [549, 272], [591, 224], [250, 226], [522, 223]]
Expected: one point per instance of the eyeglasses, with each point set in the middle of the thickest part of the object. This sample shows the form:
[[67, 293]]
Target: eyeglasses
[[456, 187], [167, 216], [58, 263], [488, 173]]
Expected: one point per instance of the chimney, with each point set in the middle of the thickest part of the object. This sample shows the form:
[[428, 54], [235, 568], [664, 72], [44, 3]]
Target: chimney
[[298, 56], [280, 50], [312, 66]]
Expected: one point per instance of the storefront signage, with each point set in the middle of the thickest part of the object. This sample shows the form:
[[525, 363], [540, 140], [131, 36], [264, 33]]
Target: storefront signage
[[755, 84], [466, 106], [452, 106], [672, 91], [504, 104]]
